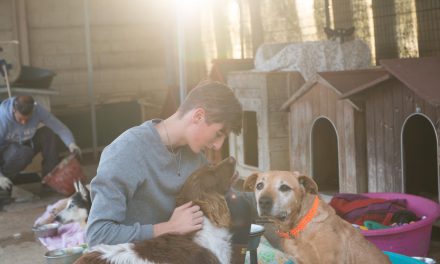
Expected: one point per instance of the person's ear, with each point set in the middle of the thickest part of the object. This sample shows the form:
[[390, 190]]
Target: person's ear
[[199, 114]]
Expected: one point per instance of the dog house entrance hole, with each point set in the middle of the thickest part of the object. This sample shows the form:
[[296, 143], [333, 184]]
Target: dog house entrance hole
[[325, 162], [420, 164], [250, 138]]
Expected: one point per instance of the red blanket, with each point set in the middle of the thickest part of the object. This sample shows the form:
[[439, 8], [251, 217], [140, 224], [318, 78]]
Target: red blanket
[[356, 208]]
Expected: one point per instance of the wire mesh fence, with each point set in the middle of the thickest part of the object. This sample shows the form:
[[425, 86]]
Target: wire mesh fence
[[391, 28]]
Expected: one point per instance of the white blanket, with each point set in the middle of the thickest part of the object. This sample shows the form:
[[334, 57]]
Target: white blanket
[[308, 58]]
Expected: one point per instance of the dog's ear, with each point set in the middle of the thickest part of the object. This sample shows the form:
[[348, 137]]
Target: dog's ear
[[249, 183], [308, 183], [75, 184], [83, 190]]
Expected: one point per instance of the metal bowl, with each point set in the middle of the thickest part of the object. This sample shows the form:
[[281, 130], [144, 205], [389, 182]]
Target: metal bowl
[[46, 230], [64, 256]]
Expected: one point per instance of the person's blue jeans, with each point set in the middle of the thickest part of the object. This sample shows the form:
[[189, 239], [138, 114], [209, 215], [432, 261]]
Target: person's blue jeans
[[15, 157]]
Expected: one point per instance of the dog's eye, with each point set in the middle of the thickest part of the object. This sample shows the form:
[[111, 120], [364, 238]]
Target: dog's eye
[[285, 188], [260, 186]]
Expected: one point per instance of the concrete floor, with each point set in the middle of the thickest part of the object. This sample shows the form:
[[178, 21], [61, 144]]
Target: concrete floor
[[18, 244], [17, 241]]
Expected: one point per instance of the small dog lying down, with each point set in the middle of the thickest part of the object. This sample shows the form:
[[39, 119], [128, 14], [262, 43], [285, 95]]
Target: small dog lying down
[[75, 208], [310, 230], [206, 187]]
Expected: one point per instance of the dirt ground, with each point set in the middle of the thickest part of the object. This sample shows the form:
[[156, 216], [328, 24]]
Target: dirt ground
[[18, 244]]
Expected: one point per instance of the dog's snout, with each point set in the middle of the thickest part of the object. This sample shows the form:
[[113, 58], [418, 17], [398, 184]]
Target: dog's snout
[[58, 218], [265, 203]]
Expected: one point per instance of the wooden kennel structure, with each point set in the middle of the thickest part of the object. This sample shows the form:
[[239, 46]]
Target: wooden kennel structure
[[327, 135], [264, 143], [402, 121]]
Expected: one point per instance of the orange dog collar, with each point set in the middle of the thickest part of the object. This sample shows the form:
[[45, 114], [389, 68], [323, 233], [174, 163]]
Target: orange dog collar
[[303, 223]]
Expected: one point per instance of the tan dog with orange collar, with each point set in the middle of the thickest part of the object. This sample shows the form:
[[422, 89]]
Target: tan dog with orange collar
[[310, 230]]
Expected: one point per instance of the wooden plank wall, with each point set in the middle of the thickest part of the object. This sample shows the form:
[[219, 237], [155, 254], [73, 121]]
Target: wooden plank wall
[[6, 21], [265, 93], [247, 87], [322, 101], [387, 108], [361, 151], [277, 91]]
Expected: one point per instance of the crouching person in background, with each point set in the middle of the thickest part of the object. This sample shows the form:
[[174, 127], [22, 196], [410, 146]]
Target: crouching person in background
[[21, 139]]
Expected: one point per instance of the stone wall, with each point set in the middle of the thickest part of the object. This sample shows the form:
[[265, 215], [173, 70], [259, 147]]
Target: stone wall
[[6, 21], [127, 47]]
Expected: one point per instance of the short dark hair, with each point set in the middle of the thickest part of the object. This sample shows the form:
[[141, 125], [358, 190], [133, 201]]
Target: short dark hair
[[24, 104], [219, 102]]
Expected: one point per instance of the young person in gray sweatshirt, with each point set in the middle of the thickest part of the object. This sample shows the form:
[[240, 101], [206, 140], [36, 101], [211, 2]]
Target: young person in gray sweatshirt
[[141, 171], [21, 139]]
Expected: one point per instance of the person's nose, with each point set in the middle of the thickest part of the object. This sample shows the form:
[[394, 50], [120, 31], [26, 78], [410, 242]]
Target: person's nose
[[217, 144]]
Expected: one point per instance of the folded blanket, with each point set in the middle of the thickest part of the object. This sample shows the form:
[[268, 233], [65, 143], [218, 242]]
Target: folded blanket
[[356, 208], [69, 235]]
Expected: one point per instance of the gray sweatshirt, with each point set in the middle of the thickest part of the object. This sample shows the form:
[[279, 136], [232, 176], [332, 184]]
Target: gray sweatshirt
[[136, 185], [12, 131]]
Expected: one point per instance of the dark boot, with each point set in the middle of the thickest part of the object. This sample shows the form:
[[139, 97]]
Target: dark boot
[[5, 197]]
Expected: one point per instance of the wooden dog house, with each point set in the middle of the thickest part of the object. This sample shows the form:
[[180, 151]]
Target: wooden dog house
[[264, 143], [402, 117], [327, 135]]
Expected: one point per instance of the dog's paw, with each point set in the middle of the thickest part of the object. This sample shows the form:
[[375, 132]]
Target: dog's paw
[[5, 183]]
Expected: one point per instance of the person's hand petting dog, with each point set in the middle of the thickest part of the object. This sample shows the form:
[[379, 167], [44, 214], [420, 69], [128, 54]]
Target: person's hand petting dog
[[185, 219]]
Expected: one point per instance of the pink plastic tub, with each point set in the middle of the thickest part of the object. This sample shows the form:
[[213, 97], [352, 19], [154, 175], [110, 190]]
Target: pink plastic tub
[[412, 239]]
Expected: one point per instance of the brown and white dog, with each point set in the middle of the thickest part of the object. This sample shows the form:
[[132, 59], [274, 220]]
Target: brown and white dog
[[206, 187], [310, 230]]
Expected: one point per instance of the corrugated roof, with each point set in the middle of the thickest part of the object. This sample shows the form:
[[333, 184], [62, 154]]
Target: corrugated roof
[[421, 75], [308, 85], [300, 92], [345, 83], [350, 82]]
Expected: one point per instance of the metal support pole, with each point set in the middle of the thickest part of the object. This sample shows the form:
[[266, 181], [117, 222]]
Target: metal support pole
[[5, 71], [327, 13], [90, 90], [181, 49], [240, 6]]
